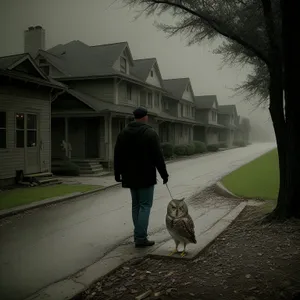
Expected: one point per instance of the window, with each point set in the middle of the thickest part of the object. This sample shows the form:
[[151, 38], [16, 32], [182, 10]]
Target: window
[[20, 130], [2, 129], [123, 64], [149, 100], [129, 92], [187, 88], [157, 100], [31, 130], [42, 61], [214, 116], [165, 104], [181, 131], [188, 110], [151, 73], [182, 108]]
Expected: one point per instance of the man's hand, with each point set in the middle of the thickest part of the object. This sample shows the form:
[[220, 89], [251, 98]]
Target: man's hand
[[165, 180], [118, 178]]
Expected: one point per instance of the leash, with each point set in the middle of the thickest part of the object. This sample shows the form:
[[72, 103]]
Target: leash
[[169, 191]]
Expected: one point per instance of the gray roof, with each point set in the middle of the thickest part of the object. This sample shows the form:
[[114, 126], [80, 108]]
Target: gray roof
[[100, 105], [7, 61], [166, 116], [142, 67], [206, 101], [176, 87], [76, 59], [227, 109]]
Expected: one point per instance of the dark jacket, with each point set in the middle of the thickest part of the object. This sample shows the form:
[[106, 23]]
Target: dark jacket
[[137, 156]]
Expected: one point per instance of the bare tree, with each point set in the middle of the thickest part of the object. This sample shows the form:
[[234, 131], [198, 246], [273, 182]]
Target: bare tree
[[252, 29]]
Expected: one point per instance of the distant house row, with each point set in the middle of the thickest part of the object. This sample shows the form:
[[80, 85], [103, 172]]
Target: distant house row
[[73, 99]]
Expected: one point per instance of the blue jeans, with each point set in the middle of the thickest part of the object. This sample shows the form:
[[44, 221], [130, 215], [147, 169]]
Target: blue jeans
[[142, 200]]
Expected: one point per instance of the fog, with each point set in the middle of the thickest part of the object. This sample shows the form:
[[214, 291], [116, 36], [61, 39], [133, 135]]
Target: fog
[[107, 21]]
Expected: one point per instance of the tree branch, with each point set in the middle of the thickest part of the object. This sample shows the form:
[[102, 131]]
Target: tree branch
[[217, 27]]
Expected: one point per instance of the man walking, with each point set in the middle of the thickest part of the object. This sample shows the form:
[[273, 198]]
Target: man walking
[[137, 156]]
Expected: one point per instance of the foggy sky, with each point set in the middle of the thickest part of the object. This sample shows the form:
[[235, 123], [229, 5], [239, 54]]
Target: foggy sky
[[107, 21]]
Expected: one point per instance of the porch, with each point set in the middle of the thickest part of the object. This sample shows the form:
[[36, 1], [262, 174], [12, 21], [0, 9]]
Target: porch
[[175, 132], [226, 136], [200, 133], [87, 141]]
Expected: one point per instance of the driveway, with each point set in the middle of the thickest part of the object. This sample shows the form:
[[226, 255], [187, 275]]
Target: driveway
[[51, 243]]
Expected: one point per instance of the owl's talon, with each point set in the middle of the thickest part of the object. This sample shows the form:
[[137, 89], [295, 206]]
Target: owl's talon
[[183, 253], [173, 252]]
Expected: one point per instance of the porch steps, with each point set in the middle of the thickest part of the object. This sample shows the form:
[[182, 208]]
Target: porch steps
[[90, 167], [45, 178]]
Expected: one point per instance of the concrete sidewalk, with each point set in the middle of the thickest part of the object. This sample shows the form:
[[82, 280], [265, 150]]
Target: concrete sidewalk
[[211, 217]]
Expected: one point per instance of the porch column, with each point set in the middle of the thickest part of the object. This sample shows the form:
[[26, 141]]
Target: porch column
[[67, 150], [108, 140], [206, 130]]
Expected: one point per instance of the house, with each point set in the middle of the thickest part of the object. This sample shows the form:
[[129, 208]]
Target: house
[[105, 84], [207, 112], [25, 118], [227, 115], [177, 118]]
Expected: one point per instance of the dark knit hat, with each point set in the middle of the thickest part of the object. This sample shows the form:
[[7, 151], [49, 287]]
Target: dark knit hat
[[140, 112]]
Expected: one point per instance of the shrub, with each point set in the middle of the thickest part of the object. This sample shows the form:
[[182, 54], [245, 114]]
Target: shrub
[[66, 168], [223, 145], [180, 150], [200, 147], [213, 147], [167, 149], [190, 149]]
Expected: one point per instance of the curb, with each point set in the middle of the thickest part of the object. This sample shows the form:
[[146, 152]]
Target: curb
[[73, 286], [13, 211], [223, 191], [205, 239]]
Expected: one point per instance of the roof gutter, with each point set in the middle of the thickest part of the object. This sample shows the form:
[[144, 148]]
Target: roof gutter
[[93, 77]]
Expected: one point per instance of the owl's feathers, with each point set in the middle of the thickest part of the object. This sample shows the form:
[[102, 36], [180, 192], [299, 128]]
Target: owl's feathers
[[179, 223]]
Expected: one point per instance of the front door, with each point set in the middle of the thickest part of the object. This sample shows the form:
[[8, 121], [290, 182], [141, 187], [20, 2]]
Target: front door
[[29, 122], [91, 138]]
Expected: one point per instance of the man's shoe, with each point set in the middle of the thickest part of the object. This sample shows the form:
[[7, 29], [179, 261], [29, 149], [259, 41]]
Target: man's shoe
[[144, 244]]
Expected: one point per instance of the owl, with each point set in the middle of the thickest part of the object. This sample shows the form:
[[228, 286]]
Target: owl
[[180, 224]]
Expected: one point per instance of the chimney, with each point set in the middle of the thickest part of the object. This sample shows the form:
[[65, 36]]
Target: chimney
[[34, 39]]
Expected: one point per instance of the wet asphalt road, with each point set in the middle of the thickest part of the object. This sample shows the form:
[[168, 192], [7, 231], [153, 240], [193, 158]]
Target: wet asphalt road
[[48, 244]]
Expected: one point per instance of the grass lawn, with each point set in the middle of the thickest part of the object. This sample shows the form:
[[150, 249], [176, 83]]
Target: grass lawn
[[257, 179], [22, 196]]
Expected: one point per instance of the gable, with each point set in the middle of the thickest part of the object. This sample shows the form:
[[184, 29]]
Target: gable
[[188, 93], [67, 102], [154, 77], [47, 66], [124, 62], [27, 67], [215, 105]]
